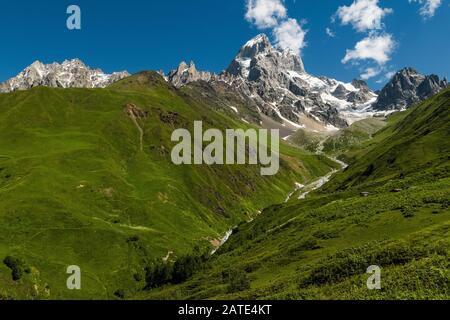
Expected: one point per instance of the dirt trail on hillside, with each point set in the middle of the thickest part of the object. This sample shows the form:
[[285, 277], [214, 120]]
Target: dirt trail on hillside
[[135, 114], [141, 133]]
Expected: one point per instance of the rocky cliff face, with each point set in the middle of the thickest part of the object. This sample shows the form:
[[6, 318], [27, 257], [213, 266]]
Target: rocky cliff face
[[186, 74], [69, 74], [258, 56], [406, 88], [277, 82]]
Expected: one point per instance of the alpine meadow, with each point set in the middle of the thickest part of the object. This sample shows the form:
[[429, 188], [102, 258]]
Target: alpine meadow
[[312, 162]]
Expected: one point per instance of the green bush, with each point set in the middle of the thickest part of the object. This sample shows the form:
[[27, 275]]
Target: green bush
[[160, 273], [353, 261], [407, 211], [120, 294], [17, 267], [237, 280]]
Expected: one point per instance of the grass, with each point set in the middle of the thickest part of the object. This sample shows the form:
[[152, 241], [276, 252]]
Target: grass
[[321, 247], [76, 189], [353, 137]]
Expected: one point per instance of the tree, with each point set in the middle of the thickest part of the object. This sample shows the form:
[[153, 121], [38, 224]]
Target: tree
[[16, 265], [237, 280]]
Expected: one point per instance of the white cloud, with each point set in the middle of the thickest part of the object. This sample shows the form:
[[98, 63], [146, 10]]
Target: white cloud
[[363, 15], [390, 74], [330, 33], [386, 77], [272, 14], [290, 35], [429, 7], [370, 73], [265, 13], [374, 51], [374, 47]]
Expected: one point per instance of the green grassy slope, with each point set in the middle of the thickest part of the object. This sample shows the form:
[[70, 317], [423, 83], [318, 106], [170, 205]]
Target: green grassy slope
[[321, 247], [353, 137], [76, 188], [414, 142], [345, 140], [307, 140]]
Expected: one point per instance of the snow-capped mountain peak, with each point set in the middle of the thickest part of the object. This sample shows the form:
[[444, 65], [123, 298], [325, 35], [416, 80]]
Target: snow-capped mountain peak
[[279, 78], [259, 49], [276, 81], [260, 38], [69, 74], [257, 45]]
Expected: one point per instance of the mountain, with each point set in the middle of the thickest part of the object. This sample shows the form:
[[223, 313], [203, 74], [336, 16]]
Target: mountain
[[69, 74], [278, 84], [258, 55], [413, 142], [186, 74], [406, 88], [390, 208], [86, 179]]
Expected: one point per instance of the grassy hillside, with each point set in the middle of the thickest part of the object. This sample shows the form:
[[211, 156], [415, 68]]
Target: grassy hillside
[[307, 140], [414, 142], [321, 247], [353, 137], [342, 141], [87, 181]]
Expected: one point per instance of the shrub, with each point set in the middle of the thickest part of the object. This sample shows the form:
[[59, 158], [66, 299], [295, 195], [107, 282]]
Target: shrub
[[120, 294], [237, 280], [137, 277], [407, 211], [353, 261], [305, 245], [370, 169], [160, 273], [17, 267], [184, 268]]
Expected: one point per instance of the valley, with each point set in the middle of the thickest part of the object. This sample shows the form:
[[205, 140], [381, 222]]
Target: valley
[[78, 188], [87, 179], [321, 246]]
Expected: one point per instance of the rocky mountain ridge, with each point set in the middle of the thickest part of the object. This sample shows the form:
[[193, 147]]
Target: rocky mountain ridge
[[271, 82], [406, 88], [276, 80], [69, 74], [187, 73]]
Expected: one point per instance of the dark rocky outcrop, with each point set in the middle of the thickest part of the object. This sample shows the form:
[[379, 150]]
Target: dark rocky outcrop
[[406, 88]]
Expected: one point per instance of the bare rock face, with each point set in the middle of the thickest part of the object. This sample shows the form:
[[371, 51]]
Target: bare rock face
[[134, 111], [340, 92], [276, 81], [186, 74], [258, 55], [406, 88], [360, 84], [69, 74]]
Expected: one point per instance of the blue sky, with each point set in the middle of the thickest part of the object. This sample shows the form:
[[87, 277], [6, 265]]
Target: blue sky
[[137, 35]]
